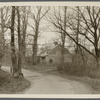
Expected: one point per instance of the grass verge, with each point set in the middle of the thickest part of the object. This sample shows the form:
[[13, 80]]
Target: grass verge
[[9, 85]]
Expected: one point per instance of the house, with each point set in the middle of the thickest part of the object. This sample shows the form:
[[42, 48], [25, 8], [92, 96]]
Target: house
[[53, 55]]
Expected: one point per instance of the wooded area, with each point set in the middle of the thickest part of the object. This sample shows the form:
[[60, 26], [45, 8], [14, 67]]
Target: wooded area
[[77, 29]]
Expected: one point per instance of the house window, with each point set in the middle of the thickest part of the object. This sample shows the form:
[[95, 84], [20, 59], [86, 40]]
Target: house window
[[43, 58], [50, 61]]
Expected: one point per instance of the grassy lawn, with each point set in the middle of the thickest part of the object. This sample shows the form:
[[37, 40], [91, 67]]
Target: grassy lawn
[[9, 85]]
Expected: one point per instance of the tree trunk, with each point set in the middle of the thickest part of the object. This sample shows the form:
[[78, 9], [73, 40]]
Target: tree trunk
[[19, 45], [25, 19], [35, 43], [23, 49], [0, 62], [13, 54], [37, 18], [2, 41], [63, 35]]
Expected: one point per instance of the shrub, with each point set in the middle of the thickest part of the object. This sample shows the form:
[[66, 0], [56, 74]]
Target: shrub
[[77, 69]]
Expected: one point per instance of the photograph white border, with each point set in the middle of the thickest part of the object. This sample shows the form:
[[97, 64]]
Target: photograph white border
[[50, 3]]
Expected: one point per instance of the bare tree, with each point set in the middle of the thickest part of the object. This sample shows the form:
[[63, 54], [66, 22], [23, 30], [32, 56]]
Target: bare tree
[[37, 16], [19, 42], [4, 19], [75, 27], [59, 16], [24, 32], [13, 52], [22, 15], [92, 28], [87, 27], [63, 36]]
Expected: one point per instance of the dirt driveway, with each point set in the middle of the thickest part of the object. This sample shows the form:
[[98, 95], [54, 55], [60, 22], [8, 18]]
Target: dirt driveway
[[52, 84]]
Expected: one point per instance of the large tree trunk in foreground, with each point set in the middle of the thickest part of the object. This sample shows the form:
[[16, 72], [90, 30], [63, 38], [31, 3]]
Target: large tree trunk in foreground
[[19, 43], [13, 53]]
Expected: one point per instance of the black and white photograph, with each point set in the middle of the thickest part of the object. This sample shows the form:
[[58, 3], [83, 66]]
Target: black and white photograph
[[47, 49]]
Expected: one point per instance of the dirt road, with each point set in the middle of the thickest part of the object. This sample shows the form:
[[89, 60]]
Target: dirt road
[[52, 84]]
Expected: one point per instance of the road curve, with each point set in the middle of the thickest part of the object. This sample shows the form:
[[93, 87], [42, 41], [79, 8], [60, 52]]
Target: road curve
[[52, 84]]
